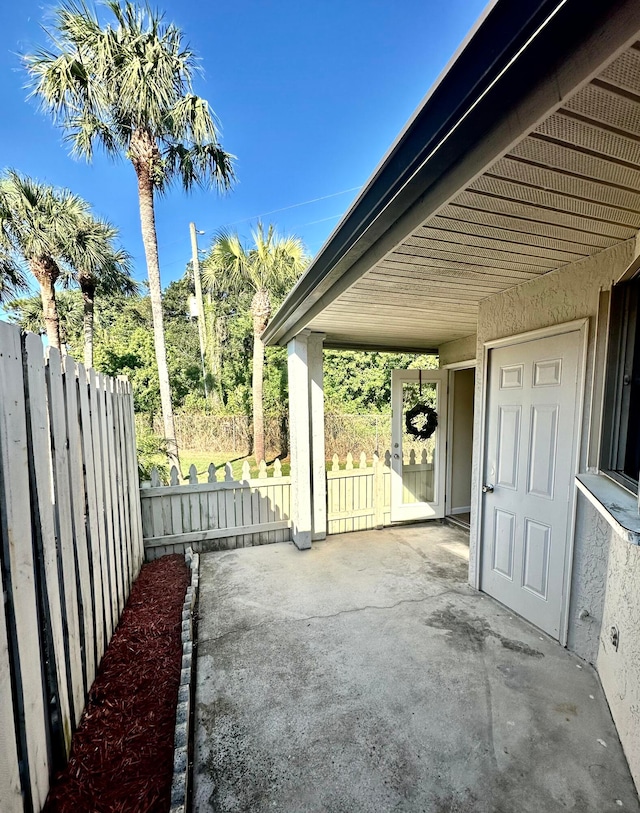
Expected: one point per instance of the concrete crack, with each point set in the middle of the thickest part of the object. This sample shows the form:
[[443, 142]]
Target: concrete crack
[[327, 615]]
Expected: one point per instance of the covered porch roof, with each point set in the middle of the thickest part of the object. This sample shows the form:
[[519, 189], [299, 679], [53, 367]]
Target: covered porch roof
[[524, 157]]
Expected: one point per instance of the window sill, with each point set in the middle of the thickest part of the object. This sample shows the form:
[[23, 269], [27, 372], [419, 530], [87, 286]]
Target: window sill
[[617, 505]]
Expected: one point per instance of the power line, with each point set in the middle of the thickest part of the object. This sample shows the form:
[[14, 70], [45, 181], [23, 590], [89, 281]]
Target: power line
[[313, 222], [275, 211], [295, 206]]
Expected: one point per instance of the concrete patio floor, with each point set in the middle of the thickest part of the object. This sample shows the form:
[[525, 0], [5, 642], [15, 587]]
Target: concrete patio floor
[[365, 675]]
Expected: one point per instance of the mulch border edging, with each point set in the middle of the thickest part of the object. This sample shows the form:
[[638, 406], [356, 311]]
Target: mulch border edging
[[181, 779]]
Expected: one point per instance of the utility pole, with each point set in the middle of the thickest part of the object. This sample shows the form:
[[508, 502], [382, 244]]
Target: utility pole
[[199, 303]]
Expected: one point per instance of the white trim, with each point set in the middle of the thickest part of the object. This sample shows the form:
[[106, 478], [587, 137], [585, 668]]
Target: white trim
[[465, 509], [300, 441], [623, 501], [448, 479], [598, 382], [420, 510], [541, 333], [453, 368], [315, 360], [573, 502], [476, 488], [630, 272], [580, 325], [459, 365]]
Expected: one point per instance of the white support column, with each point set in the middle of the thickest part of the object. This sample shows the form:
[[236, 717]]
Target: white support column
[[316, 406], [300, 446], [306, 427]]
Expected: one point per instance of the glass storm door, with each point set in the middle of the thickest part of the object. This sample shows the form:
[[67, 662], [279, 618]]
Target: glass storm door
[[418, 397]]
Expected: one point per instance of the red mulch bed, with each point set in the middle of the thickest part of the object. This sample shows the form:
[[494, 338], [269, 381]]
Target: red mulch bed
[[122, 753]]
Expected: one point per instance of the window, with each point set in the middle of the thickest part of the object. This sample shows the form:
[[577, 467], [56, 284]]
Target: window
[[621, 433]]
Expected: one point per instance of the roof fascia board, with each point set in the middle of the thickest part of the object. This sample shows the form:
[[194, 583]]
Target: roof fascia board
[[380, 348], [564, 54]]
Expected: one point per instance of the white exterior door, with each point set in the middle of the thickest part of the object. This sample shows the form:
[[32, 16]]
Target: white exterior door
[[418, 466], [531, 445]]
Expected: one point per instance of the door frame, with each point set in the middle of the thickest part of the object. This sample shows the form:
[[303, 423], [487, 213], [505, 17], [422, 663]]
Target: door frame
[[471, 364], [441, 377], [582, 326]]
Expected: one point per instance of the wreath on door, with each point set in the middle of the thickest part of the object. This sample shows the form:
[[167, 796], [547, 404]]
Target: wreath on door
[[421, 420]]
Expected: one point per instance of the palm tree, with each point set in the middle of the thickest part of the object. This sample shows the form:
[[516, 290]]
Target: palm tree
[[127, 88], [35, 223], [27, 312], [269, 266], [98, 266], [12, 280]]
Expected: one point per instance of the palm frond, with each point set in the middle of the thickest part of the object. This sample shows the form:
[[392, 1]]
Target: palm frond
[[34, 217], [103, 82], [12, 278], [95, 260], [226, 262], [270, 263], [204, 165], [38, 221]]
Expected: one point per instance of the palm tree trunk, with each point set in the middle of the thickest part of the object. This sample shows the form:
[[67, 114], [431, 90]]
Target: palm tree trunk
[[88, 302], [217, 358], [150, 242], [213, 352], [47, 272], [217, 363], [261, 311], [257, 389]]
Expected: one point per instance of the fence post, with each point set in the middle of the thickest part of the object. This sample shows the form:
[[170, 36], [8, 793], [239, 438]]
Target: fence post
[[378, 492]]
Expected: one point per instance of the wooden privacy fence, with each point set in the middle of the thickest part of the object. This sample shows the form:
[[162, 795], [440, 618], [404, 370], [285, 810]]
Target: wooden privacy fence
[[217, 514], [238, 513], [71, 545]]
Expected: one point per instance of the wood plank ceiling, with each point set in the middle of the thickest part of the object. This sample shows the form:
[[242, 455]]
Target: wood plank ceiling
[[568, 190]]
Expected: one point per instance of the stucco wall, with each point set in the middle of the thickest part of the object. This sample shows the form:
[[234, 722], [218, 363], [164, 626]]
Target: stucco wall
[[588, 583], [561, 296], [606, 568], [620, 671], [459, 350]]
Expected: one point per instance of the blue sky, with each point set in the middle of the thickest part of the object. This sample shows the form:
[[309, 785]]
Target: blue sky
[[310, 96]]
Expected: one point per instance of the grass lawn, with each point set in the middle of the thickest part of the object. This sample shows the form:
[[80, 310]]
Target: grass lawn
[[201, 461]]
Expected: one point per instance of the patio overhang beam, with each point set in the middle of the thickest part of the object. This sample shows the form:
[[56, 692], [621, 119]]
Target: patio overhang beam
[[380, 348], [519, 65]]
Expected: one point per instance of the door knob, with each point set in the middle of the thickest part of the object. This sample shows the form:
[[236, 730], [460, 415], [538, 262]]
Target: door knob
[[397, 456], [487, 489]]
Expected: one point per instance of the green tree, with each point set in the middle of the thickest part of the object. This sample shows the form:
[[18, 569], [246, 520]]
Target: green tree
[[12, 280], [268, 267], [27, 312], [127, 87], [222, 305], [36, 222], [360, 382], [124, 346]]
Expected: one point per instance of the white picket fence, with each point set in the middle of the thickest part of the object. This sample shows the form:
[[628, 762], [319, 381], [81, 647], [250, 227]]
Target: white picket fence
[[71, 545], [217, 514], [230, 513], [358, 498]]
